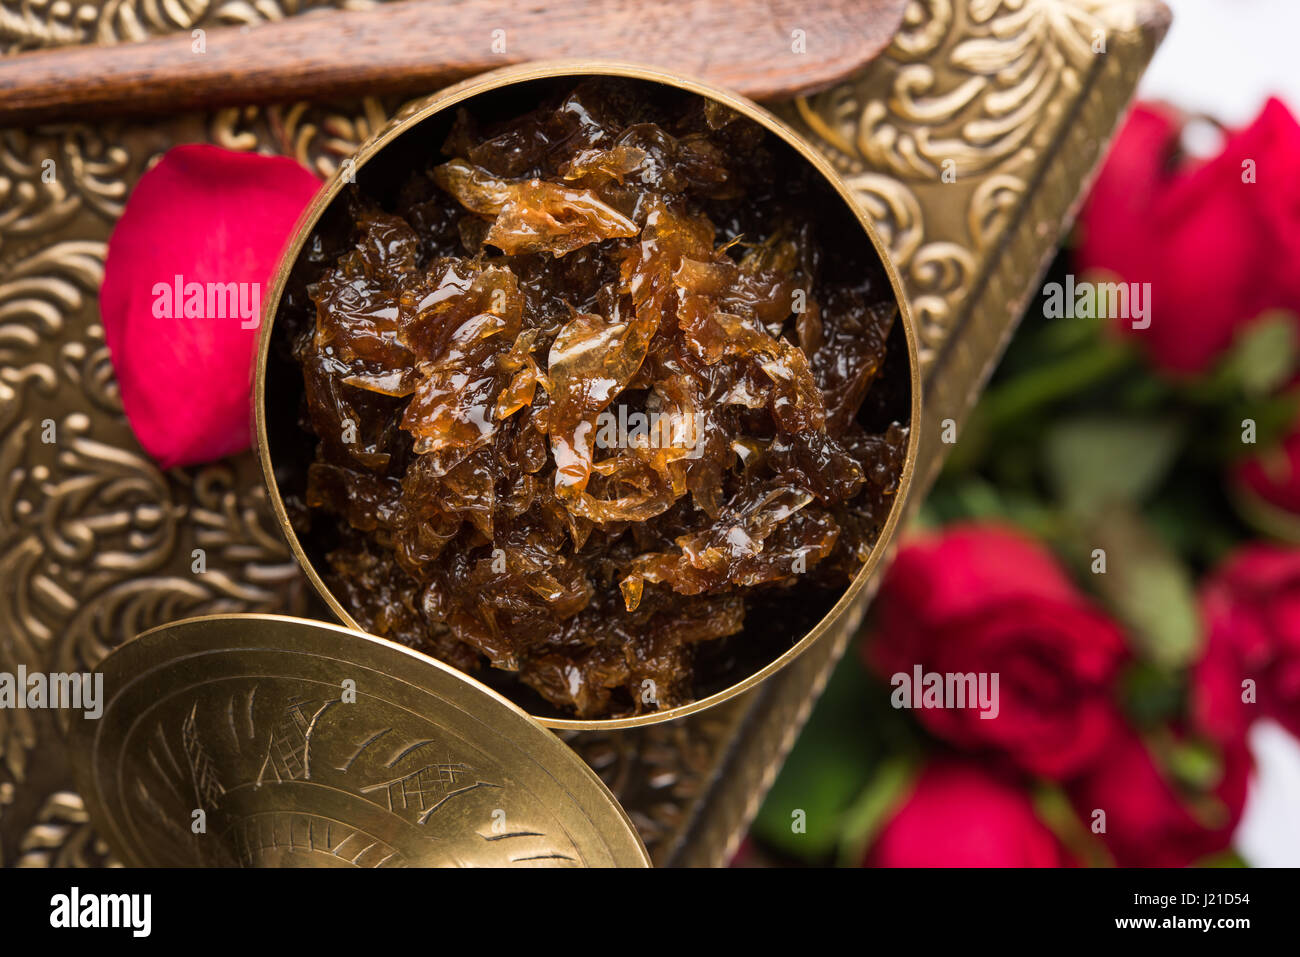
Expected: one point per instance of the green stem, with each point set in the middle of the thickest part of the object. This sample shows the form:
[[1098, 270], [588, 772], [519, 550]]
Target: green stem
[[1051, 383]]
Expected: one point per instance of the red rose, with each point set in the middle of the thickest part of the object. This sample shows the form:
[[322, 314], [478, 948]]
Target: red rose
[[187, 269], [984, 599], [1273, 476], [960, 815], [1149, 820], [1218, 250], [1251, 608]]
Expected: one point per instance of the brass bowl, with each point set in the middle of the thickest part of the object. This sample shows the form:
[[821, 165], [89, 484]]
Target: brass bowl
[[275, 391]]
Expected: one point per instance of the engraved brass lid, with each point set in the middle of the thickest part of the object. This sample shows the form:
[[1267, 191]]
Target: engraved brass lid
[[262, 740]]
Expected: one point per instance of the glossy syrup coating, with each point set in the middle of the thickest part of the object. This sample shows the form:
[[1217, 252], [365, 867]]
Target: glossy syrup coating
[[586, 389]]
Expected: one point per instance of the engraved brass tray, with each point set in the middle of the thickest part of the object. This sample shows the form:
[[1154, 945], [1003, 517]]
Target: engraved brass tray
[[244, 722], [969, 143]]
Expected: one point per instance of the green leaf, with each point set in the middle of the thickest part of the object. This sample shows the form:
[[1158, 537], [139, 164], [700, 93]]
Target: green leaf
[[1274, 417], [1196, 769], [978, 499], [830, 765], [1149, 588], [1096, 462], [1152, 696], [1263, 357], [1228, 858], [1054, 809], [1265, 517], [873, 808], [1195, 764]]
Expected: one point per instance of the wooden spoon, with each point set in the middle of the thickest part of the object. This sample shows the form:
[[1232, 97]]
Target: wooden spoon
[[764, 49]]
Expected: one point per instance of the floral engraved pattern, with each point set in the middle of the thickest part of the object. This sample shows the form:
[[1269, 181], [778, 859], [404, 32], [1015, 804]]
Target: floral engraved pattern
[[318, 138], [30, 24], [63, 837], [964, 100], [972, 83]]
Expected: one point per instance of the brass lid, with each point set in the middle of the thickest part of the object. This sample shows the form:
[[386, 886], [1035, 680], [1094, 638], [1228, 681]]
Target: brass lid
[[309, 744]]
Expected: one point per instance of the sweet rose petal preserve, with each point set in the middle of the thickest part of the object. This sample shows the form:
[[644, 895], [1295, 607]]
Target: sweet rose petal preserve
[[476, 322]]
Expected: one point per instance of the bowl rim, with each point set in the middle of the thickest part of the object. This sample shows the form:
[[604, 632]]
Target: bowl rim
[[417, 111]]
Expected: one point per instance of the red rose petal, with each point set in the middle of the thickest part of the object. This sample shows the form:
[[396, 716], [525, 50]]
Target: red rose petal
[[1149, 822], [1116, 231], [961, 815], [1274, 474], [1217, 247], [983, 598], [210, 216], [1251, 609]]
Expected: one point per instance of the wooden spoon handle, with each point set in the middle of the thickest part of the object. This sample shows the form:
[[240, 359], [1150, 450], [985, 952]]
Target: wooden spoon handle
[[764, 49]]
